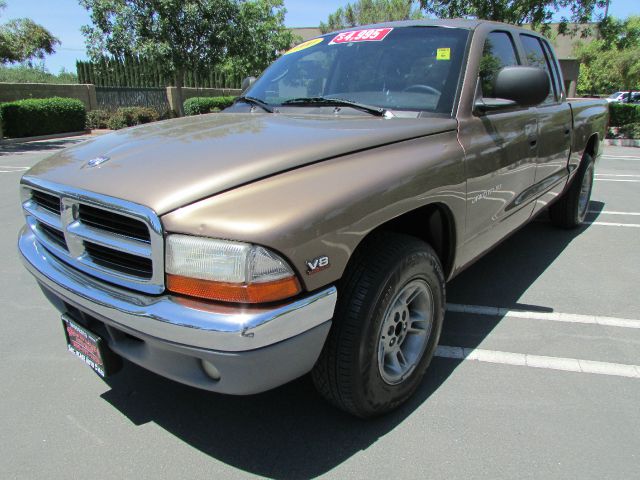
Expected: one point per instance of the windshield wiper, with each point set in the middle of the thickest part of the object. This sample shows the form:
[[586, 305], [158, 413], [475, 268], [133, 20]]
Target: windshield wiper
[[336, 102], [256, 101]]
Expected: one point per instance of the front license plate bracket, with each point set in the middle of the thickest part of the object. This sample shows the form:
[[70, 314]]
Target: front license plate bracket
[[90, 348]]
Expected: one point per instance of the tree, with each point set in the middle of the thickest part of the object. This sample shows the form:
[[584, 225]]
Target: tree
[[34, 74], [22, 40], [620, 34], [182, 35], [612, 62], [538, 13], [260, 36], [363, 12]]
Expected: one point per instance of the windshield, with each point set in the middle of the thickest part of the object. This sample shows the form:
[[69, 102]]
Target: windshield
[[615, 95], [408, 68]]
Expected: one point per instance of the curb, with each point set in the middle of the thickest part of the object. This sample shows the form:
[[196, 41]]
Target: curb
[[622, 142], [9, 141]]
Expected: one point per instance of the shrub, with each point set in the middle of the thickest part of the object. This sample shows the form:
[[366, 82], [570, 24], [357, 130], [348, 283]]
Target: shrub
[[131, 116], [630, 130], [98, 118], [623, 114], [42, 116], [200, 105]]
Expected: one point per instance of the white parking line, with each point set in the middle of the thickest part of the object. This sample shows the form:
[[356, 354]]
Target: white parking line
[[11, 169], [615, 175], [547, 316], [621, 157], [539, 361], [616, 180], [611, 224], [609, 212]]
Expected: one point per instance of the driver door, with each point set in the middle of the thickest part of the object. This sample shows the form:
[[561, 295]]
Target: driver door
[[501, 153]]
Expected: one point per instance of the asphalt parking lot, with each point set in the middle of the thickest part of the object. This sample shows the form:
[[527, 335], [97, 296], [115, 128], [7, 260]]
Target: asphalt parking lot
[[537, 374]]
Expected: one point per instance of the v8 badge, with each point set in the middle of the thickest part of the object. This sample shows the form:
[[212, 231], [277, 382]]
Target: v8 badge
[[317, 264]]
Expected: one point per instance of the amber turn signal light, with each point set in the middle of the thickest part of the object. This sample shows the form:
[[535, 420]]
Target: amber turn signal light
[[234, 292]]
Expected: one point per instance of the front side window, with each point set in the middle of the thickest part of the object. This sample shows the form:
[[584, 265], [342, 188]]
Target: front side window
[[498, 52], [406, 68]]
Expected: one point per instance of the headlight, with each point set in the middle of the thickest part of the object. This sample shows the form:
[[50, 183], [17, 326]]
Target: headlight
[[227, 271]]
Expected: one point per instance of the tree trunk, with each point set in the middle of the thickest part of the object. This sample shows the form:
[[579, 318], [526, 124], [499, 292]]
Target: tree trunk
[[179, 77]]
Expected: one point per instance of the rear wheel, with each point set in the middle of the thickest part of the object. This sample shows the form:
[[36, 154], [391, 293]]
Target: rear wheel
[[571, 209], [386, 327]]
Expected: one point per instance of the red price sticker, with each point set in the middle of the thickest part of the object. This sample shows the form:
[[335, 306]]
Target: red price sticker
[[368, 35]]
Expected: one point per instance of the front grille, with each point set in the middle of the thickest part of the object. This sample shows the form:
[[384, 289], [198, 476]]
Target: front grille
[[114, 223], [108, 238], [55, 235], [119, 261], [46, 201]]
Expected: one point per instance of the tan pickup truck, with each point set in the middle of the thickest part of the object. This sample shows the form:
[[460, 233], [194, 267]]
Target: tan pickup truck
[[312, 226]]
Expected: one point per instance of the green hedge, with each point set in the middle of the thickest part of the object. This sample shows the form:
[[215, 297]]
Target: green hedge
[[42, 116], [623, 114], [131, 116], [630, 130], [122, 117], [200, 105], [98, 118]]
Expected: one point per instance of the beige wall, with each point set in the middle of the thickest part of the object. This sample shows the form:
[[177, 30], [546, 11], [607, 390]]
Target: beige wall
[[18, 91], [87, 93], [188, 92]]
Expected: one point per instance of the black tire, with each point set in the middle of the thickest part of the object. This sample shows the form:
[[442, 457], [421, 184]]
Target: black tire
[[570, 210], [349, 373]]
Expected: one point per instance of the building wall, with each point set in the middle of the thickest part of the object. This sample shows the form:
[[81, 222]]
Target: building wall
[[570, 71], [306, 33]]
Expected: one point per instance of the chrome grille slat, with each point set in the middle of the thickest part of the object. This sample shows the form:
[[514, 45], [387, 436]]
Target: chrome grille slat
[[43, 215], [109, 238], [44, 238]]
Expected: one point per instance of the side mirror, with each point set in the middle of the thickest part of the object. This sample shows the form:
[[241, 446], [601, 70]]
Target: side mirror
[[247, 82], [517, 86]]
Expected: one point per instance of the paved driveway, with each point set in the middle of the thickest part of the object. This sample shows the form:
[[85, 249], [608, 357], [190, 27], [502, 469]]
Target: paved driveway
[[537, 375]]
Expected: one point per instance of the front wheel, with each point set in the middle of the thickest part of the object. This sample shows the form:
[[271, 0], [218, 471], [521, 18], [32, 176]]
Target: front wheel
[[571, 209], [386, 327]]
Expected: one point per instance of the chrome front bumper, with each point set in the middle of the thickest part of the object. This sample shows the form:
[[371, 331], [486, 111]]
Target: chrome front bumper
[[176, 319]]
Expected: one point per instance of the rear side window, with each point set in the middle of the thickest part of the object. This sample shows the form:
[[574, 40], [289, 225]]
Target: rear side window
[[557, 75], [537, 58], [498, 52]]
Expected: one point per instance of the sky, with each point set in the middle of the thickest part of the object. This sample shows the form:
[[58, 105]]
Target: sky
[[64, 18]]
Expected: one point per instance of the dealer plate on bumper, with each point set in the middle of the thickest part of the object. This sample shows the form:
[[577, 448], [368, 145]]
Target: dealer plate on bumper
[[88, 347]]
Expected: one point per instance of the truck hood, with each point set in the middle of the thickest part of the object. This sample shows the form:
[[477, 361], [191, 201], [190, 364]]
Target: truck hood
[[169, 164]]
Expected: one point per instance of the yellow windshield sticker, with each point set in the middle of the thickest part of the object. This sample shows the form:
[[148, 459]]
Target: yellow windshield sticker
[[307, 44], [443, 54]]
